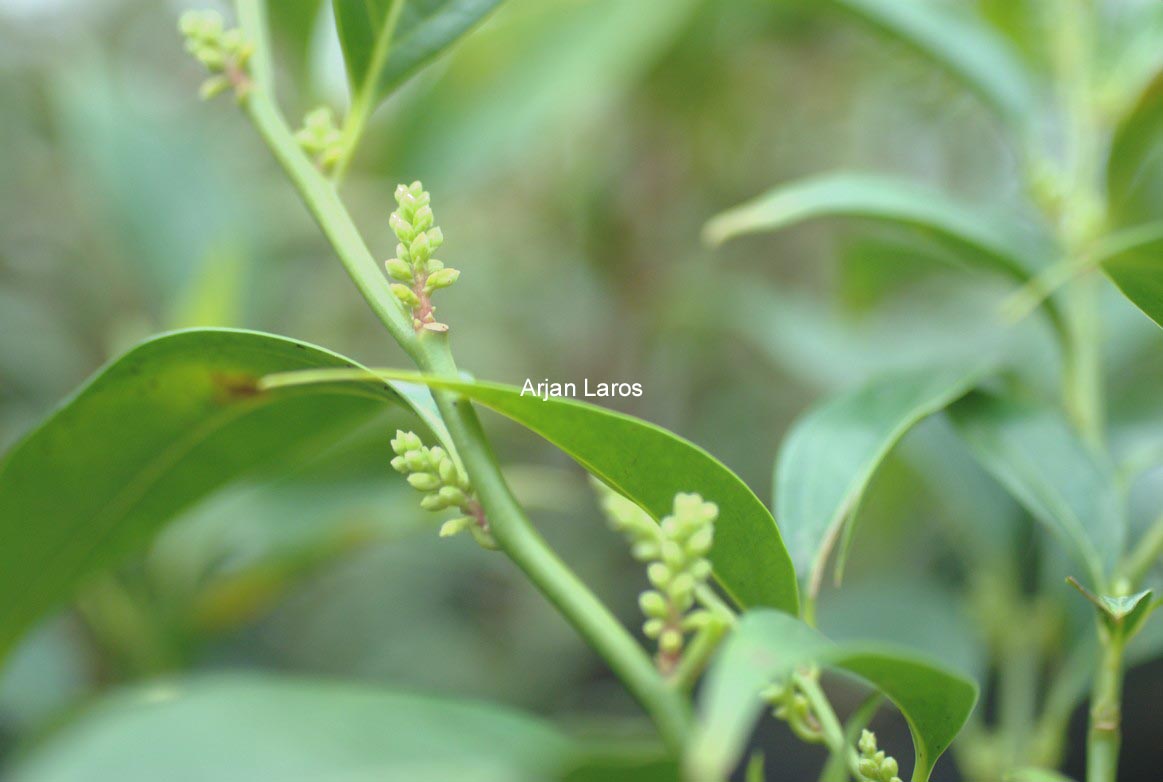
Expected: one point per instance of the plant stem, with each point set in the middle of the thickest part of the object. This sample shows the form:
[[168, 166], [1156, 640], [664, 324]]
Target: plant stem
[[833, 731], [514, 533], [695, 658], [1105, 734], [1148, 551]]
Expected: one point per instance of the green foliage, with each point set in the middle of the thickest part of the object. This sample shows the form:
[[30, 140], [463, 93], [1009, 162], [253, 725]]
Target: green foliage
[[386, 41], [249, 728], [173, 420], [829, 457], [1036, 454], [748, 556], [768, 646]]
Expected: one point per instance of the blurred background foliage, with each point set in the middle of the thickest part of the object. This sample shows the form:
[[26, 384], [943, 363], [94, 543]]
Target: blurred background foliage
[[574, 150]]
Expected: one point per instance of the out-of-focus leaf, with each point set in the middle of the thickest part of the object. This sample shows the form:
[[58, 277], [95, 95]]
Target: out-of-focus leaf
[[975, 239], [1133, 259], [1035, 775], [961, 45], [156, 430], [767, 646], [293, 25], [648, 763], [830, 455], [1134, 172], [649, 465], [252, 728], [383, 45], [1037, 456], [915, 613]]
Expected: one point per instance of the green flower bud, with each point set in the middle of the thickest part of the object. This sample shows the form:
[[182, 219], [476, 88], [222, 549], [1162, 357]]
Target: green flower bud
[[424, 481], [399, 270], [402, 228], [867, 743], [452, 527], [452, 496], [699, 543], [213, 87], [652, 628], [423, 219], [645, 550], [670, 641], [405, 295], [448, 472], [659, 574], [433, 502], [399, 464], [435, 237], [441, 279], [419, 249], [653, 604]]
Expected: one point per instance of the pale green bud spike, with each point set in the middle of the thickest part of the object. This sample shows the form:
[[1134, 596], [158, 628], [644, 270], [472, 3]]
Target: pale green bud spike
[[424, 481], [452, 495], [441, 279], [405, 295]]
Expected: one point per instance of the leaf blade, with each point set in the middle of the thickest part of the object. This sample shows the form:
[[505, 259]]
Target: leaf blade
[[255, 727], [828, 459], [425, 28], [1037, 456], [150, 434]]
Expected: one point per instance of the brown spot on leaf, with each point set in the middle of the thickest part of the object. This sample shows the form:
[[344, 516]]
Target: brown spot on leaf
[[234, 386]]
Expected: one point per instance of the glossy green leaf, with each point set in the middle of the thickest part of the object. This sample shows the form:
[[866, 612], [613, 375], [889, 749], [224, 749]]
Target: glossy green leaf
[[255, 728], [153, 432], [974, 238], [960, 44], [830, 455], [649, 465], [384, 45], [766, 646], [1038, 457]]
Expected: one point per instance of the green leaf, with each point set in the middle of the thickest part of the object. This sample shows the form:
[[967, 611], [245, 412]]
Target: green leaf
[[830, 455], [153, 432], [1039, 458], [974, 239], [1122, 613], [1133, 259], [293, 26], [767, 646], [1133, 173], [960, 44], [256, 728], [384, 44], [648, 465]]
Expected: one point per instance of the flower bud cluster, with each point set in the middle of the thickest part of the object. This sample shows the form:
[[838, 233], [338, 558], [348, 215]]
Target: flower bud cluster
[[676, 553], [418, 275], [321, 138], [874, 765], [794, 708], [224, 53], [436, 474]]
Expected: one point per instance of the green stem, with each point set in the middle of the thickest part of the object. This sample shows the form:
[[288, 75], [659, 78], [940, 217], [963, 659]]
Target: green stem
[[1105, 734], [695, 659], [1083, 367], [1148, 551], [363, 101], [833, 732], [838, 767], [514, 533]]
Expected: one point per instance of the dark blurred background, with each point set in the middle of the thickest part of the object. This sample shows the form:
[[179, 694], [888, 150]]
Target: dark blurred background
[[573, 149]]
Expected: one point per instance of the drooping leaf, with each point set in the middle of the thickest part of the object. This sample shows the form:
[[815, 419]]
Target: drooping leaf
[[767, 646], [830, 455], [961, 45], [1038, 457], [251, 728], [973, 238], [649, 465], [384, 45], [156, 430]]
